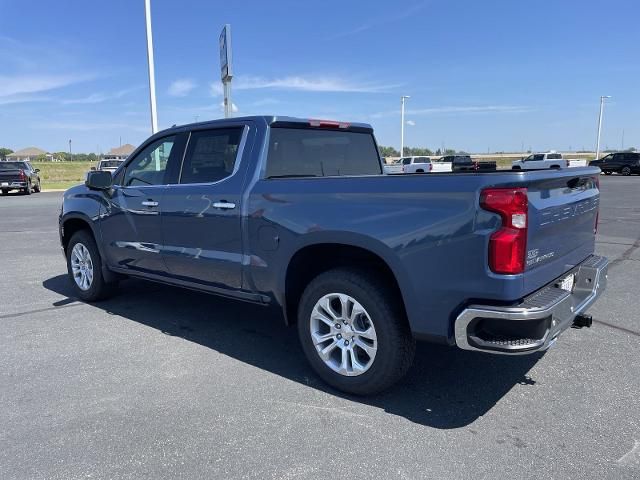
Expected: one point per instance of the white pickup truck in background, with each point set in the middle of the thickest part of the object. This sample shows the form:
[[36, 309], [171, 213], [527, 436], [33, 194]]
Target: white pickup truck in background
[[552, 159], [409, 165]]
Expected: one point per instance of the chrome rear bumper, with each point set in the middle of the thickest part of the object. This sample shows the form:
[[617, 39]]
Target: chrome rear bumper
[[535, 323]]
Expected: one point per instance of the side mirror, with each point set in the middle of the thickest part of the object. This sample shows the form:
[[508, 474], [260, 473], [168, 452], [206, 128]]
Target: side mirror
[[99, 180], [37, 170], [93, 169]]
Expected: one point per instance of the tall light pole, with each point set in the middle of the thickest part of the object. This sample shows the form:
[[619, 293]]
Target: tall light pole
[[70, 150], [152, 72], [600, 124], [402, 99]]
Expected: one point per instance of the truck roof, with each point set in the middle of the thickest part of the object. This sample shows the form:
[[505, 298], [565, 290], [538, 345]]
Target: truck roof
[[280, 120]]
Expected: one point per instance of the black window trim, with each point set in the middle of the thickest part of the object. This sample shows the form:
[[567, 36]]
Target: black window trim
[[236, 165]]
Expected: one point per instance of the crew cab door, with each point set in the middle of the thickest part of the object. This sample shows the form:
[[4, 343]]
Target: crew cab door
[[130, 219], [201, 215]]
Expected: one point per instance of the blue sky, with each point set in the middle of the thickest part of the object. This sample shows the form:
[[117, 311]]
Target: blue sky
[[482, 75]]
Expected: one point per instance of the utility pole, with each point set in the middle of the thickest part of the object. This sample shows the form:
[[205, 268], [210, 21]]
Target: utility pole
[[600, 124], [152, 73], [70, 150], [226, 70], [402, 99]]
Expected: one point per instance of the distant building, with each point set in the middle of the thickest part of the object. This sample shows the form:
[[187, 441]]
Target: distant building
[[120, 153], [29, 154]]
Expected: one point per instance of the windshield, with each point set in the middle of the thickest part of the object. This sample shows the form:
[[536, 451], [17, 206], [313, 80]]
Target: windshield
[[11, 165]]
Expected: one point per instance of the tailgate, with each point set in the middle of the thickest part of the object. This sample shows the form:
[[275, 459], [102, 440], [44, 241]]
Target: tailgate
[[9, 175], [561, 230]]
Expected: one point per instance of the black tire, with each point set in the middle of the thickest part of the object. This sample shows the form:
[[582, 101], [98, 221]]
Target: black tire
[[37, 188], [5, 192], [607, 173], [29, 189], [420, 171], [626, 171], [99, 289], [395, 344], [516, 168]]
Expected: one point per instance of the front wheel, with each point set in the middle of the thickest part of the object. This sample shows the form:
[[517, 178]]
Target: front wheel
[[354, 331], [84, 266], [626, 171], [607, 173]]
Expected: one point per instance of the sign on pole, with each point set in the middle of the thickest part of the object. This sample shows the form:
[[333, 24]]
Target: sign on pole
[[226, 71]]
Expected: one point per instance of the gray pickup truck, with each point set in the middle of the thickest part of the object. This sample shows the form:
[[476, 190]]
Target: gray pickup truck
[[297, 214]]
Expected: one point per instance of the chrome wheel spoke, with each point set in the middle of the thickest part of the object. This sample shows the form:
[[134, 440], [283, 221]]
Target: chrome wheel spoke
[[320, 338], [325, 353], [357, 366], [369, 350]]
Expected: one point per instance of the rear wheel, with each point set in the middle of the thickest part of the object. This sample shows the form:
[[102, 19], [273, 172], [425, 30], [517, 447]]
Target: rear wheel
[[607, 173], [38, 187], [5, 192], [29, 189], [84, 266], [354, 331], [626, 171]]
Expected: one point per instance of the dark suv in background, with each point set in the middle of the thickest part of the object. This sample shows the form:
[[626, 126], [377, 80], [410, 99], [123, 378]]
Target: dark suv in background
[[624, 163], [19, 176]]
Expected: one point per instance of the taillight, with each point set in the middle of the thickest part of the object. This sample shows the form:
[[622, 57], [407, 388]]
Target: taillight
[[508, 245], [22, 175], [430, 167], [567, 162]]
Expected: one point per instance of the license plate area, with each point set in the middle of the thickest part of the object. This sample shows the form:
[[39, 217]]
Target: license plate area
[[5, 184]]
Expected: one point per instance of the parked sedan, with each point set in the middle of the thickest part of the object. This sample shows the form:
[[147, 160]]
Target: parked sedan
[[19, 176], [624, 163]]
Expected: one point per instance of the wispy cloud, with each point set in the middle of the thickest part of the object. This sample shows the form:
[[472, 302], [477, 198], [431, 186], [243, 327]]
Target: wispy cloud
[[471, 109], [11, 85], [411, 123], [100, 97], [377, 22], [181, 87], [264, 102], [309, 84]]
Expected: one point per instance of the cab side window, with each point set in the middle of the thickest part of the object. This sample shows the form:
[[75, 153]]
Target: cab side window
[[211, 155], [149, 166]]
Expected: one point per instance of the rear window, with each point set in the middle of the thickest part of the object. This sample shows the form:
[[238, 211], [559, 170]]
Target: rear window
[[297, 152], [554, 156], [421, 160], [12, 165]]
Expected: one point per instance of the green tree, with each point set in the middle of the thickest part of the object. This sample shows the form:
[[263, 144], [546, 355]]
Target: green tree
[[388, 151], [64, 156], [4, 152], [417, 151], [41, 158]]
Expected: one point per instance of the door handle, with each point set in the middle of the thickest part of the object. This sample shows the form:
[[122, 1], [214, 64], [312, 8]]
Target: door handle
[[150, 203], [224, 204]]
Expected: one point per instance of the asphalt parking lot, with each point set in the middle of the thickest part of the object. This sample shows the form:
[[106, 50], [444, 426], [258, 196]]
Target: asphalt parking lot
[[164, 383]]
